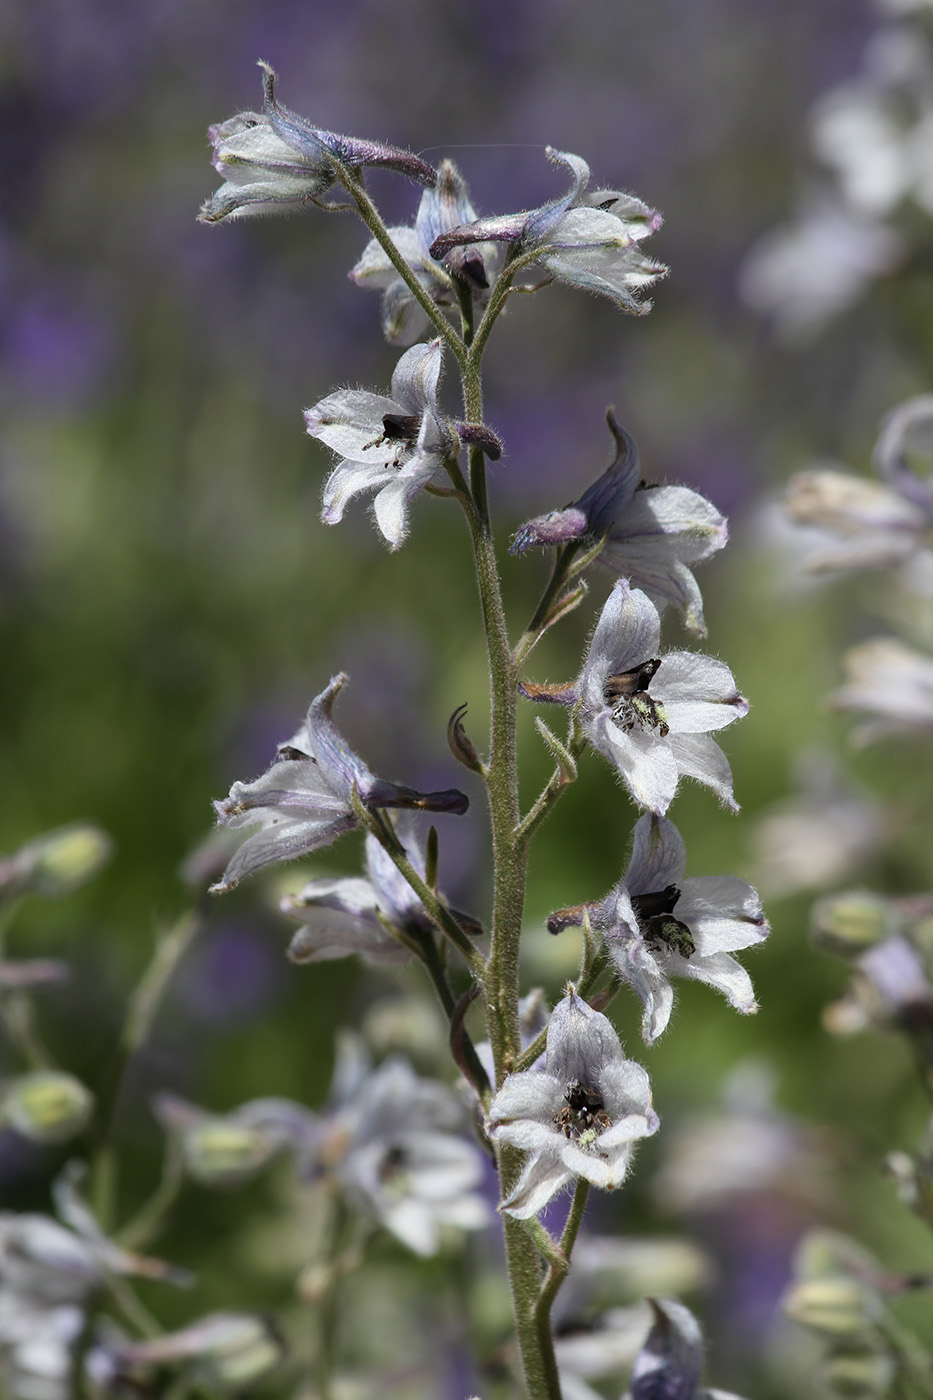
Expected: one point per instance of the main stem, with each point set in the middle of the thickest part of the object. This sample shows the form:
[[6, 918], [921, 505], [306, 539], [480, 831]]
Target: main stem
[[501, 982]]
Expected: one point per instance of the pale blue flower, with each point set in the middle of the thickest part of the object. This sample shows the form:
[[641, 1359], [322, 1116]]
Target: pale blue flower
[[656, 924], [590, 240], [390, 446], [393, 1143], [580, 1115], [650, 715], [652, 534], [443, 207], [305, 799], [275, 161], [355, 915]]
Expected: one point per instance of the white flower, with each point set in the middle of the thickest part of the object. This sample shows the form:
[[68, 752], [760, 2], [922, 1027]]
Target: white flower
[[652, 534], [651, 715], [589, 240], [305, 799], [392, 446], [274, 161], [392, 1142], [890, 683], [579, 1116], [445, 206], [350, 915], [657, 925]]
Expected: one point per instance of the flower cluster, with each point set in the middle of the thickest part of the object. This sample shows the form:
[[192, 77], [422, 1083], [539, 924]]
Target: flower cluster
[[871, 139]]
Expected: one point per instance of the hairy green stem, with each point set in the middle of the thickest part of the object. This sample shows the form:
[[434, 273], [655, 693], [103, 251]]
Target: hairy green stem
[[501, 979], [559, 1267]]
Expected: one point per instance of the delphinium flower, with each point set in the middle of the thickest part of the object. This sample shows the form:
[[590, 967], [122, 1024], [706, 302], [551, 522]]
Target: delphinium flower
[[274, 161], [873, 524], [392, 446], [872, 135], [650, 715], [804, 274], [224, 1352], [579, 1116], [599, 1326], [305, 799], [825, 831], [228, 1149], [656, 924], [51, 1275], [393, 1143], [651, 534], [351, 914], [590, 240], [443, 207], [890, 683]]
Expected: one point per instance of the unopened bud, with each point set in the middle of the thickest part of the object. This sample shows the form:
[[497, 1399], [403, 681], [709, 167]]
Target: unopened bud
[[863, 1375], [851, 923], [482, 436], [838, 1307], [231, 1350], [217, 1150], [57, 862], [460, 744], [220, 1152], [47, 1106]]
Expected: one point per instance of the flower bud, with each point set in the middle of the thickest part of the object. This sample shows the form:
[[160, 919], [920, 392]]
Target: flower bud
[[47, 1106], [57, 862], [838, 1307], [862, 1375], [232, 1351], [849, 924], [459, 742], [220, 1152]]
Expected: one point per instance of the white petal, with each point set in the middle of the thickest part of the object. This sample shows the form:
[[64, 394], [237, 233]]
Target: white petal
[[374, 268], [392, 502], [530, 1094], [415, 378], [626, 1093], [728, 976], [604, 1168], [347, 480], [698, 756], [645, 761], [638, 966], [349, 420], [659, 856], [544, 1175], [698, 693], [581, 1043], [628, 633]]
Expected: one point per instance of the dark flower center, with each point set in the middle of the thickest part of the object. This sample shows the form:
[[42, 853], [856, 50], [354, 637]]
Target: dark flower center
[[393, 1164], [401, 427], [583, 1116], [658, 926], [627, 693]]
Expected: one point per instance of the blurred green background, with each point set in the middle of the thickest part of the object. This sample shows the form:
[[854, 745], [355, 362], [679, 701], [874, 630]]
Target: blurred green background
[[170, 601]]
